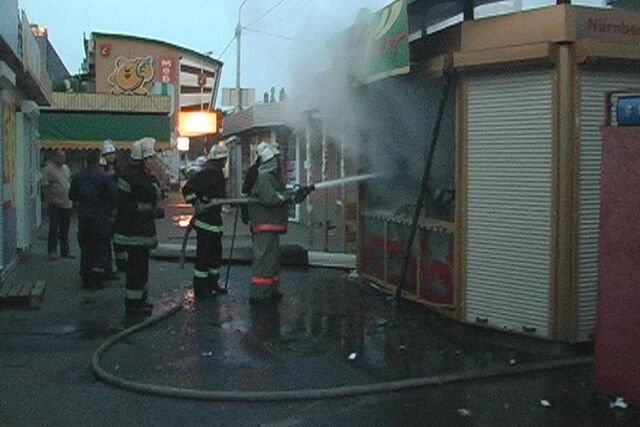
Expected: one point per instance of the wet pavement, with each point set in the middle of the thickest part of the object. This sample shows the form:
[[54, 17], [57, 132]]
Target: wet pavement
[[305, 341]]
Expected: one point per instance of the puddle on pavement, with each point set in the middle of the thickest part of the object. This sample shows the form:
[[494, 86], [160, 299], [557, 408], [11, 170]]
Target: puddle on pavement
[[347, 330]]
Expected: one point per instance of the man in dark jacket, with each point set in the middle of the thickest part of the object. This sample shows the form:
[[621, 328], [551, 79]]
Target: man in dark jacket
[[203, 187], [134, 227], [95, 194]]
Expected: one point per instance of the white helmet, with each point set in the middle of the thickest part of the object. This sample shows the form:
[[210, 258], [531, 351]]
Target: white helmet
[[143, 149], [108, 147], [266, 151], [218, 152]]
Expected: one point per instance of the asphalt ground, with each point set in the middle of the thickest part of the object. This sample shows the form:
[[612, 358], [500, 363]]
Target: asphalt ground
[[329, 330]]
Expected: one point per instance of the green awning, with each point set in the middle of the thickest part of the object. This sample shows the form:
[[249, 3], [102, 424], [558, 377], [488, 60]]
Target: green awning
[[81, 130]]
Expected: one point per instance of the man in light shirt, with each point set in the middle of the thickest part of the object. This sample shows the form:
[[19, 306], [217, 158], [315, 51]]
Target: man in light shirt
[[56, 183]]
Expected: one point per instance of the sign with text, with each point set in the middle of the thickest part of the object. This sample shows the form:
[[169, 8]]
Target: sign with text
[[166, 70]]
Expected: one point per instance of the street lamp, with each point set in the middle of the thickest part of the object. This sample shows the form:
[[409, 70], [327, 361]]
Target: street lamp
[[238, 37]]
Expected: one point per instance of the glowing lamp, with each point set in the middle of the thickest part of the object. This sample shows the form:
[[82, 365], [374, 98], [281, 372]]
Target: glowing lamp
[[183, 143], [196, 123]]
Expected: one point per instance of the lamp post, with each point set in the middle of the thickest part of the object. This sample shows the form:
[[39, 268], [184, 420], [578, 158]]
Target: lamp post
[[238, 43]]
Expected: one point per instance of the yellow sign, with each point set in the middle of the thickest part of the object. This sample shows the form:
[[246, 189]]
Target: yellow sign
[[196, 123]]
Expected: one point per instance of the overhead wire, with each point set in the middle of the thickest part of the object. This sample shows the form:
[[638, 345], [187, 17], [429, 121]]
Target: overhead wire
[[271, 9], [305, 4], [227, 47], [266, 33]]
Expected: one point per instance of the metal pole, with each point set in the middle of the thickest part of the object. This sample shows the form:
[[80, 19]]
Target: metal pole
[[325, 198], [423, 186], [238, 47], [233, 240]]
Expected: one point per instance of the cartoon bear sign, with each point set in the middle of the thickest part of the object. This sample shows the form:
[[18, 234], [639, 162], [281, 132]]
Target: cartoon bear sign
[[131, 76]]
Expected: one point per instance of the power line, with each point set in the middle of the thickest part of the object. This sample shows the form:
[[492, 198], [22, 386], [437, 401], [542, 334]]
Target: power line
[[251, 30], [267, 12], [221, 59], [305, 4], [228, 46]]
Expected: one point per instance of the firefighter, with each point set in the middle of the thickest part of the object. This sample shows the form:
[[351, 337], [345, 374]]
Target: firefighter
[[250, 180], [95, 193], [268, 217], [247, 186], [204, 186], [108, 163], [109, 156], [134, 227]]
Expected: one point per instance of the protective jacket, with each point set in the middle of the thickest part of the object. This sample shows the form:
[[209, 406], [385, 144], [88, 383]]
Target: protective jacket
[[271, 211], [95, 193], [247, 186], [205, 186], [136, 202]]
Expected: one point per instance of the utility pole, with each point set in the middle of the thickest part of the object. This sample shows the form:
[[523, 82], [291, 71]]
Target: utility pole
[[238, 43]]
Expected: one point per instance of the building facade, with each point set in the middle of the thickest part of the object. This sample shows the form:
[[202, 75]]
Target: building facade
[[24, 87], [509, 236]]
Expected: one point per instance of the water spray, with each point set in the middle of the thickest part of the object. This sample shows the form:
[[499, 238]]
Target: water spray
[[344, 181]]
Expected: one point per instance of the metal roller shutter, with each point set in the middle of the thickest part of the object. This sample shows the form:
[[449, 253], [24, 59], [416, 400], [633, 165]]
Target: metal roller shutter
[[509, 200], [594, 84]]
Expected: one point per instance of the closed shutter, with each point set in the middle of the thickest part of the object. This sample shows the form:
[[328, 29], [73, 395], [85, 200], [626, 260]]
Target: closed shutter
[[594, 84], [509, 200]]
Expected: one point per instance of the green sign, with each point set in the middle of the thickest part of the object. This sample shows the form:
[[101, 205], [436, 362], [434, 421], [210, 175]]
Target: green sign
[[377, 45]]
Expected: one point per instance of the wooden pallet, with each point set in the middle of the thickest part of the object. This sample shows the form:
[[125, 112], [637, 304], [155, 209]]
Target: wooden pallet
[[28, 294]]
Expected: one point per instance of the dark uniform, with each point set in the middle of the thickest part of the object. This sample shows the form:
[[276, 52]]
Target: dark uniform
[[117, 169], [204, 186], [135, 230], [95, 193], [268, 218]]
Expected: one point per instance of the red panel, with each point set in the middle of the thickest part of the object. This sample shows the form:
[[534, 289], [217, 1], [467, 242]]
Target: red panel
[[617, 350]]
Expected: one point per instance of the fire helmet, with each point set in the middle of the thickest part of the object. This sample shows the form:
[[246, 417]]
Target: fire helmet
[[266, 151], [143, 149], [108, 147], [218, 152]]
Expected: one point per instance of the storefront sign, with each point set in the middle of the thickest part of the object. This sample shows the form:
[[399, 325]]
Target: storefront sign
[[377, 45], [166, 71], [610, 24]]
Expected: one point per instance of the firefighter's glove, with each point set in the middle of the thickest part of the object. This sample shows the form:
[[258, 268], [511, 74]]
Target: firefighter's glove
[[301, 193]]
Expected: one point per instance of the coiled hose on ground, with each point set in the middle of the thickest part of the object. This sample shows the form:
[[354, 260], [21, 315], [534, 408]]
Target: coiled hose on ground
[[307, 394]]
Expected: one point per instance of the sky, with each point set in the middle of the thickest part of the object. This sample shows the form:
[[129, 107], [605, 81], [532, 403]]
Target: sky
[[294, 46]]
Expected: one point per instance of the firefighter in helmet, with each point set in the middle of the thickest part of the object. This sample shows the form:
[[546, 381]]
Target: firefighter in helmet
[[134, 227], [206, 185], [268, 217], [108, 156], [108, 163]]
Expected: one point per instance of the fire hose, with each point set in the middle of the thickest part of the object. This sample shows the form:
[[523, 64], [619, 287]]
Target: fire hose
[[306, 394], [212, 203]]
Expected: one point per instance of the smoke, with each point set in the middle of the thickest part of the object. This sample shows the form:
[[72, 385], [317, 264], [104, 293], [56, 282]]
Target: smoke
[[386, 125]]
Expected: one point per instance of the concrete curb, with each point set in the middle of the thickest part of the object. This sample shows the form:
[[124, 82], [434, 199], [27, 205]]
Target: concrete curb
[[292, 255]]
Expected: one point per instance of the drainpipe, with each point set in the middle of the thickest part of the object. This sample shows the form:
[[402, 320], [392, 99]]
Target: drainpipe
[[325, 196], [307, 167]]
